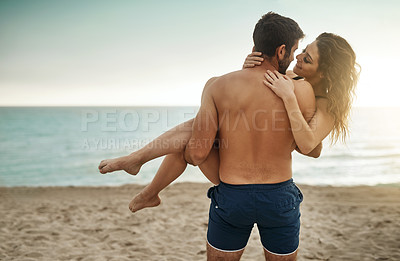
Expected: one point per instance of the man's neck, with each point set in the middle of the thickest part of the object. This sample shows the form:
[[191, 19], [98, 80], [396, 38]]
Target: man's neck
[[267, 65]]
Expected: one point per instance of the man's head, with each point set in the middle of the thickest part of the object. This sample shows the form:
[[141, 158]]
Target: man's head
[[277, 36]]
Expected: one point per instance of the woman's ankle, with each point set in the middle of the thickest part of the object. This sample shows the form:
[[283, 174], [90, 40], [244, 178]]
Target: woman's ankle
[[148, 192], [138, 157]]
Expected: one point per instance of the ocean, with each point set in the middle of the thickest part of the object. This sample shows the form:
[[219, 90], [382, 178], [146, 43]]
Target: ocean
[[62, 146]]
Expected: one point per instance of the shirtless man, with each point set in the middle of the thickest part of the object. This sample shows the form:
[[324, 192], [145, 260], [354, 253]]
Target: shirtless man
[[255, 153]]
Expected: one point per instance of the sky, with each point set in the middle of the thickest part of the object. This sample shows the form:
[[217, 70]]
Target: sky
[[161, 53]]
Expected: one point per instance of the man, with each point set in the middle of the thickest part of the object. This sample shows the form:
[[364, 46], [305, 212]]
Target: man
[[255, 161]]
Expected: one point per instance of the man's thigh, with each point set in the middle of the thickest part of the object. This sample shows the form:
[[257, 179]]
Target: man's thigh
[[273, 257], [215, 254]]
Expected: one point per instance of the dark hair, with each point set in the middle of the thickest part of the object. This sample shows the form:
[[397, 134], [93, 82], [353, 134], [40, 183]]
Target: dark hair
[[273, 30], [340, 71]]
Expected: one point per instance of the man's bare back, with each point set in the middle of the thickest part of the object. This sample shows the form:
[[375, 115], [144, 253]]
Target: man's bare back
[[255, 150], [254, 130]]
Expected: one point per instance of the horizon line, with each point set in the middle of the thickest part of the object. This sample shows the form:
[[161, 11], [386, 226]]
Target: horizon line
[[76, 106]]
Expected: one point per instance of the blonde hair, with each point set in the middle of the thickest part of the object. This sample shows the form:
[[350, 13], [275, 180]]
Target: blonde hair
[[337, 63]]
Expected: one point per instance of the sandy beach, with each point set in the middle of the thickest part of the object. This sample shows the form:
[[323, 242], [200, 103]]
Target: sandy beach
[[94, 223]]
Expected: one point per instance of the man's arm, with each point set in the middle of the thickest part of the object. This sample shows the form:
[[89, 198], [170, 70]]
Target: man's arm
[[205, 127]]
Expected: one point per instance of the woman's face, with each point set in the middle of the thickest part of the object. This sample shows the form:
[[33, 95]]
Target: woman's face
[[307, 63]]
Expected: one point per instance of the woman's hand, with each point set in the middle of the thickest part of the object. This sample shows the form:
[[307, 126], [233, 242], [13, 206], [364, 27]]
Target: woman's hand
[[280, 84], [252, 60]]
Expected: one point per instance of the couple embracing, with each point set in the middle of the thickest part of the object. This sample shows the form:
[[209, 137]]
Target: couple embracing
[[258, 116]]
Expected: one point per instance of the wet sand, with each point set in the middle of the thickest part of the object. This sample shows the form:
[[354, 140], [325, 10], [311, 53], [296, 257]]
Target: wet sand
[[94, 223]]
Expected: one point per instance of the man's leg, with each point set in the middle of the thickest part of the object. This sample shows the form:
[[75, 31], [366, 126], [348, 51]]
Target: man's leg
[[272, 257], [279, 223], [214, 254], [230, 222]]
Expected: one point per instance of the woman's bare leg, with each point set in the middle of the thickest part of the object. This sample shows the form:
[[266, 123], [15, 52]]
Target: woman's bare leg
[[171, 142], [171, 168]]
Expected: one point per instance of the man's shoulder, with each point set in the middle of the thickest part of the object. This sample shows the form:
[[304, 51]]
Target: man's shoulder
[[211, 80], [211, 84], [235, 75], [219, 81]]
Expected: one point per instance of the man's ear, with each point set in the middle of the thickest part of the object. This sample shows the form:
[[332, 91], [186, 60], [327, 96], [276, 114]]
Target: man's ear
[[280, 52]]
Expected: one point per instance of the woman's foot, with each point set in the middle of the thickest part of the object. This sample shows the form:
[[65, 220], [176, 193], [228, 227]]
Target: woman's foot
[[141, 201], [131, 164]]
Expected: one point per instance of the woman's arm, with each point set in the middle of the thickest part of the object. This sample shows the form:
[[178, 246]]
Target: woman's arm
[[315, 153], [252, 60], [307, 135], [255, 59]]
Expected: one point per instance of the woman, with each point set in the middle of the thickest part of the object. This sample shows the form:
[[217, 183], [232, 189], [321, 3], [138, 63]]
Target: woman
[[328, 64]]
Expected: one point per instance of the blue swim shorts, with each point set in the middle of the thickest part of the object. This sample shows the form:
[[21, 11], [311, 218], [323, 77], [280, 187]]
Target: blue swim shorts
[[274, 208]]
